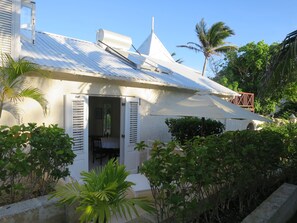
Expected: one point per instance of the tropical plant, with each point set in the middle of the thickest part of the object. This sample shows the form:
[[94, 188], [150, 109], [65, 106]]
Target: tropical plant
[[13, 87], [283, 68], [102, 194], [211, 41]]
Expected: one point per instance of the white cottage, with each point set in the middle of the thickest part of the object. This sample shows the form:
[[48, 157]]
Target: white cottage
[[100, 90]]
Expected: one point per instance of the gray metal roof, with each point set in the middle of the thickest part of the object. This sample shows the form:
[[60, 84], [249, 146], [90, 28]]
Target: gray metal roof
[[64, 54]]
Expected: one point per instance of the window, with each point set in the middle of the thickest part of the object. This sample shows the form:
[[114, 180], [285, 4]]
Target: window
[[28, 20]]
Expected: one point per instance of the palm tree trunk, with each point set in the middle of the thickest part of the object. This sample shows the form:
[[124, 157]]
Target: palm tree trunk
[[204, 66], [1, 108]]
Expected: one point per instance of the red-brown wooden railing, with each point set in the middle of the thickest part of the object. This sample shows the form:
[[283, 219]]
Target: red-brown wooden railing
[[245, 100]]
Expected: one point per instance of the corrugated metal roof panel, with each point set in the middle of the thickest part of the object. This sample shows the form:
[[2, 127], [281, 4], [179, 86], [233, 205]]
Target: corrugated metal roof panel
[[60, 53], [181, 74]]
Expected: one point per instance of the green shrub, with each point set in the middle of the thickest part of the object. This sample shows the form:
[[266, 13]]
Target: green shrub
[[212, 172], [289, 157], [183, 129], [32, 159]]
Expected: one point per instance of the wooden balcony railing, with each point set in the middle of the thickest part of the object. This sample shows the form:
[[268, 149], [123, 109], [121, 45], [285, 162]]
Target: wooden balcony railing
[[245, 100]]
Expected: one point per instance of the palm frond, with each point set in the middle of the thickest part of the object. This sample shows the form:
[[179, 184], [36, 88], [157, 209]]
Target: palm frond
[[17, 68], [283, 67], [12, 81], [68, 194], [195, 48], [218, 32], [201, 32], [224, 49], [12, 109], [35, 94]]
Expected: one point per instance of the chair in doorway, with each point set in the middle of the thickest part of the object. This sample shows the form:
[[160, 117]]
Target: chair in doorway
[[98, 152]]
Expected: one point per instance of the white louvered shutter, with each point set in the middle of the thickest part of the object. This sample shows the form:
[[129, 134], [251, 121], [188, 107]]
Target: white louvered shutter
[[10, 27], [131, 157], [6, 29], [133, 133], [76, 125]]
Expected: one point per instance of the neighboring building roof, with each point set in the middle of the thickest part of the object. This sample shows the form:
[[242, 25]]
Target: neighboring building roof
[[63, 54]]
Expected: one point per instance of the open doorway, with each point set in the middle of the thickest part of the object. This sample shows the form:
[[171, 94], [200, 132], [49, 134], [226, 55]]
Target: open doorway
[[105, 122], [104, 130]]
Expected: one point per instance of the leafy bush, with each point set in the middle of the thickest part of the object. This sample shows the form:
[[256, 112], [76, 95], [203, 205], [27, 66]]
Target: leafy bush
[[286, 110], [289, 157], [183, 129], [210, 173], [32, 159], [102, 194]]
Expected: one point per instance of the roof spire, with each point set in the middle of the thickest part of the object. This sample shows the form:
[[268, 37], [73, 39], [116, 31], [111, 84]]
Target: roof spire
[[153, 24]]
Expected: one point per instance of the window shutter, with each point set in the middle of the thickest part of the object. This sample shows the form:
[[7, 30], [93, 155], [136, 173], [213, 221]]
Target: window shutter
[[6, 29], [78, 124], [129, 155], [133, 122]]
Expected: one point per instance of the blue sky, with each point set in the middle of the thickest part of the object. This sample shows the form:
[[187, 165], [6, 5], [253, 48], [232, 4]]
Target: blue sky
[[175, 20]]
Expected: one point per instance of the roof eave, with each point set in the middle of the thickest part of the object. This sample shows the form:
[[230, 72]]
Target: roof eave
[[114, 78]]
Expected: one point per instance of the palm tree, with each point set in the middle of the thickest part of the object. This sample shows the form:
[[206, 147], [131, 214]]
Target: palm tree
[[282, 69], [212, 40], [102, 194], [13, 87]]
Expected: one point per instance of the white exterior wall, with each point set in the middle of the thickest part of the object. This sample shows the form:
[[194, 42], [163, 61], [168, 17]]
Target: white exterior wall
[[151, 127]]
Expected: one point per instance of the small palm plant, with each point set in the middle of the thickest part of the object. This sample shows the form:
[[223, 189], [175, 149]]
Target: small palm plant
[[102, 195]]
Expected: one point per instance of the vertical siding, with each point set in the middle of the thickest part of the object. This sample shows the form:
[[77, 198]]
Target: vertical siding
[[6, 29]]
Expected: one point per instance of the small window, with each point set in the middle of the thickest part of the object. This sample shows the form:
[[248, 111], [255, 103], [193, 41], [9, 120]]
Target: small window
[[28, 20]]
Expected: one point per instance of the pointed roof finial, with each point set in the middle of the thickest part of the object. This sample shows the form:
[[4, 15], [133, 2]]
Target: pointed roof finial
[[153, 24]]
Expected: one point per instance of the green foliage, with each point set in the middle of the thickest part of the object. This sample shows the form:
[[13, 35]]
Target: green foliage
[[164, 171], [288, 132], [289, 157], [265, 106], [102, 195], [211, 175], [286, 109], [13, 87], [32, 159], [183, 129], [290, 92], [243, 69], [231, 85]]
